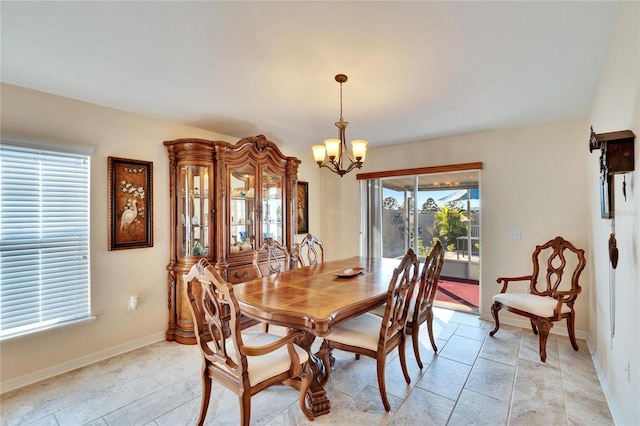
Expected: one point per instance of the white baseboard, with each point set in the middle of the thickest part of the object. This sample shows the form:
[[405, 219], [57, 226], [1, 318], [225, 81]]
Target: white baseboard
[[606, 389], [65, 367]]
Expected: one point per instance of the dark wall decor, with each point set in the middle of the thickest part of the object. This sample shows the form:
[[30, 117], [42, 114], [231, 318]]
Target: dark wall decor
[[302, 199], [616, 156], [130, 203]]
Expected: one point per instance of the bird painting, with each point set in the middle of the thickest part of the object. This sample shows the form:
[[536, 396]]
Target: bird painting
[[129, 214]]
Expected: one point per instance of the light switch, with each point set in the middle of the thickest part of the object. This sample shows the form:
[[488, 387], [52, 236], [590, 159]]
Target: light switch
[[513, 234]]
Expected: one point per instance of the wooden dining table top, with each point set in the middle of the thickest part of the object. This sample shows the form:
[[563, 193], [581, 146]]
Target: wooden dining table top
[[314, 298]]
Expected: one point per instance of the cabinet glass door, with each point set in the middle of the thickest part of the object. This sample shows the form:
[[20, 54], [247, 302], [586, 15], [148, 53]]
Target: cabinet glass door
[[272, 205], [242, 232], [193, 211]]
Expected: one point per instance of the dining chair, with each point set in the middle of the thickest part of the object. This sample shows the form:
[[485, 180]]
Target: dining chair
[[271, 258], [549, 297], [310, 251], [376, 337], [244, 362], [421, 307]]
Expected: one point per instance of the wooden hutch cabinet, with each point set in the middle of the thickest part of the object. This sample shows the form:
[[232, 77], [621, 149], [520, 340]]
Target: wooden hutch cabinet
[[226, 199]]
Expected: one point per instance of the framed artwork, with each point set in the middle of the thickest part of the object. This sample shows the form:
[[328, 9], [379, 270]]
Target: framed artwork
[[130, 203], [302, 203], [606, 195]]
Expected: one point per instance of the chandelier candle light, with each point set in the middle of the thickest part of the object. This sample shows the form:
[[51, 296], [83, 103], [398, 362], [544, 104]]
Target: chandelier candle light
[[336, 149]]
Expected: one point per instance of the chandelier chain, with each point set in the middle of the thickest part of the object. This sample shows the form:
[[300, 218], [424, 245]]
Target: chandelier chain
[[341, 102]]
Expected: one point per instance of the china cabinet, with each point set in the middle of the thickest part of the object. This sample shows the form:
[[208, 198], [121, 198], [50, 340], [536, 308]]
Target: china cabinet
[[226, 199]]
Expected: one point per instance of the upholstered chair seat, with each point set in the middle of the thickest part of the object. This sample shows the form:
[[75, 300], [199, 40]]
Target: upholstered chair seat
[[272, 364], [362, 331], [541, 306]]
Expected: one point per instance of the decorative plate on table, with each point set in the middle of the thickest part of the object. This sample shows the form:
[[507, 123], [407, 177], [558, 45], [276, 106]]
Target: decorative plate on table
[[350, 272]]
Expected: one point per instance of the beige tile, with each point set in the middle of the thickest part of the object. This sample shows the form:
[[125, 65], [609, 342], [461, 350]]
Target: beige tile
[[508, 332], [44, 421], [366, 408], [492, 379], [49, 396], [445, 377], [538, 396], [427, 355], [504, 351], [394, 378], [265, 406], [475, 409], [351, 376], [221, 400], [111, 398], [465, 318], [443, 329], [472, 332], [156, 404], [424, 408], [530, 349], [461, 349], [338, 412], [98, 422]]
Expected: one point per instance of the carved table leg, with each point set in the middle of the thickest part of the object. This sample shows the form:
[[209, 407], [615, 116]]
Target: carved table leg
[[316, 402]]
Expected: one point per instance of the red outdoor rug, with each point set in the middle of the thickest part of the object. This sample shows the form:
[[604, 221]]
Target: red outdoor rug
[[456, 294]]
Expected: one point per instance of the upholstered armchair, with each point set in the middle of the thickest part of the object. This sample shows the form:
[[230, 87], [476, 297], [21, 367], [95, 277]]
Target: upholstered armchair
[[553, 289]]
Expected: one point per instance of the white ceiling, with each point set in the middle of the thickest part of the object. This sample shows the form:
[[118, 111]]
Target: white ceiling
[[417, 70]]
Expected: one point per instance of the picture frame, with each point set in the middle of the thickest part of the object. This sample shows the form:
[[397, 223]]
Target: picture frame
[[606, 196], [302, 207], [130, 200]]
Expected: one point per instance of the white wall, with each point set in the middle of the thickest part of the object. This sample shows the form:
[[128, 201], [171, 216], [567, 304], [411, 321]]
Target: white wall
[[533, 179], [115, 275], [616, 106]]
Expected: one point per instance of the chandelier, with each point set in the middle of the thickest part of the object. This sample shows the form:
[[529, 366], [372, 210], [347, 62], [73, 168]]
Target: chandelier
[[336, 149]]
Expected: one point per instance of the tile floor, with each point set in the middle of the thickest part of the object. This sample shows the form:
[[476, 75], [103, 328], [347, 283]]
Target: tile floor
[[474, 379]]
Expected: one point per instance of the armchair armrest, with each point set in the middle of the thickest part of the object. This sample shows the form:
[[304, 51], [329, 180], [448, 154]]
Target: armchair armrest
[[505, 281], [565, 296], [262, 350]]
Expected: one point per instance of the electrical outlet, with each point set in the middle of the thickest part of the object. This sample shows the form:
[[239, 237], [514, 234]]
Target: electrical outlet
[[133, 303], [513, 234]]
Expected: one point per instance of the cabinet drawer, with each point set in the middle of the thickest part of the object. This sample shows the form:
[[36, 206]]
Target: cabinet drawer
[[239, 274]]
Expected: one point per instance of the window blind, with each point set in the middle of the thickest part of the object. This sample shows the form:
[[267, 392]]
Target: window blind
[[44, 238]]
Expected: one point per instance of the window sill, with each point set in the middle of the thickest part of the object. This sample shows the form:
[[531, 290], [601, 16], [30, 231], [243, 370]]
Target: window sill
[[31, 333]]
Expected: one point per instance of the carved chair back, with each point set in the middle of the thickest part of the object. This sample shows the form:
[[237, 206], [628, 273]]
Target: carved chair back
[[272, 257], [557, 265], [428, 284], [399, 296], [310, 251], [218, 333]]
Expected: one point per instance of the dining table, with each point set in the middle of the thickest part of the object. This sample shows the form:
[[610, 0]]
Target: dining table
[[314, 299]]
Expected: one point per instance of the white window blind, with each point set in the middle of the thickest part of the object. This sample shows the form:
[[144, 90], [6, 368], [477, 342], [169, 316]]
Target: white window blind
[[44, 238]]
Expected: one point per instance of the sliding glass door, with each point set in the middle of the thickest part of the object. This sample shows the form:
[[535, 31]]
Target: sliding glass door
[[417, 210]]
